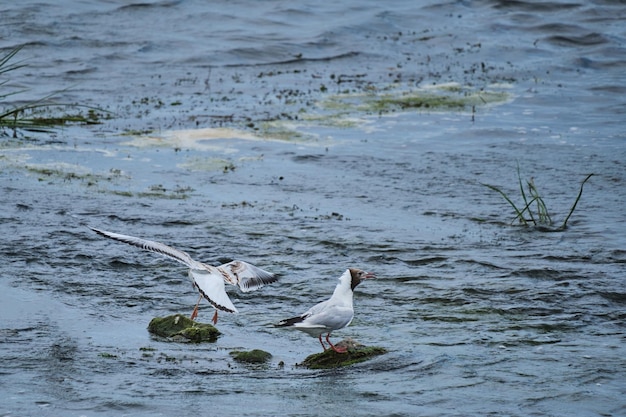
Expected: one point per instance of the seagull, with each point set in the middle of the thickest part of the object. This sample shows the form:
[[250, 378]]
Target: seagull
[[333, 314], [208, 280]]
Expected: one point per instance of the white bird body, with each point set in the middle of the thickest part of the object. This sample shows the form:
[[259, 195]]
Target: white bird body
[[209, 280], [333, 314]]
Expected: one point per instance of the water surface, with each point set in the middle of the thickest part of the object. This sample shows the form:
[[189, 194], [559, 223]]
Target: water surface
[[222, 143]]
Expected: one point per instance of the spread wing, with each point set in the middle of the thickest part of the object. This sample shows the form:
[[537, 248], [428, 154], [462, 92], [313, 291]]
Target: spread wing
[[151, 246], [208, 280], [247, 276], [211, 286]]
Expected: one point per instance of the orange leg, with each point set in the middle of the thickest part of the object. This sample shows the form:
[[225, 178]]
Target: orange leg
[[215, 317], [320, 338], [333, 347], [195, 310]]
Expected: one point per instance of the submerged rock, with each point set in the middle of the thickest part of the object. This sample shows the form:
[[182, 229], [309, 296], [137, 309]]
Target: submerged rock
[[179, 328], [330, 359], [255, 356]]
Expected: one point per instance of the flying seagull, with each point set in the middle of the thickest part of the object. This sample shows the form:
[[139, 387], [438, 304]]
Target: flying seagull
[[333, 314], [208, 280]]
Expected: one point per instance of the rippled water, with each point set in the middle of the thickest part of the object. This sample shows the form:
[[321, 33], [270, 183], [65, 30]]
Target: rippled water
[[480, 316]]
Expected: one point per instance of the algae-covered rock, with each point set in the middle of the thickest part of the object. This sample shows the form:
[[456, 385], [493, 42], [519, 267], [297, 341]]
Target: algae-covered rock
[[255, 356], [330, 359], [180, 328]]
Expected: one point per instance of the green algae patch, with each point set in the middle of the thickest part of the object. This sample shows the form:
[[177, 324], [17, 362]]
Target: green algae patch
[[341, 120], [255, 356], [445, 97], [156, 191], [62, 171], [286, 131], [178, 328], [330, 359]]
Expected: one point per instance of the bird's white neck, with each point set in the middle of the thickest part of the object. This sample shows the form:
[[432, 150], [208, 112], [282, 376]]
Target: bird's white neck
[[343, 291]]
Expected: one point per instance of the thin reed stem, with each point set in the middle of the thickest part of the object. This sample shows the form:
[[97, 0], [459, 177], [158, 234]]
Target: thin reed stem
[[580, 193]]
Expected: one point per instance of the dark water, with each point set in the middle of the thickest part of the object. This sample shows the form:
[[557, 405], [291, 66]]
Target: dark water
[[480, 316]]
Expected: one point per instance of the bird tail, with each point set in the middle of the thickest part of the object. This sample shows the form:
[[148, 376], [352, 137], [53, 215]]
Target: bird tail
[[289, 322]]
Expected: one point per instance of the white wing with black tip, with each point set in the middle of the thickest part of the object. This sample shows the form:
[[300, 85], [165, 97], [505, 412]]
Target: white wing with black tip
[[211, 286], [156, 247], [209, 280], [247, 276]]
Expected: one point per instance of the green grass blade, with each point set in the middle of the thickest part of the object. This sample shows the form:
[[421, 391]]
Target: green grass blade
[[10, 55], [503, 194], [580, 193], [542, 210], [4, 60], [545, 216], [521, 188], [527, 208]]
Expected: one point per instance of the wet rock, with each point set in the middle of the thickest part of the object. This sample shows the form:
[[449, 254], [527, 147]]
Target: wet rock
[[255, 356], [179, 328], [330, 359]]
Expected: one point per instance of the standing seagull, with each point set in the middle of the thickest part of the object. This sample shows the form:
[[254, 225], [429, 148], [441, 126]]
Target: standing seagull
[[333, 314], [208, 280]]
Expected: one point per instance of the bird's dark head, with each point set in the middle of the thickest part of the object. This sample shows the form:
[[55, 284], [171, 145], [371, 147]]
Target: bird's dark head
[[358, 276]]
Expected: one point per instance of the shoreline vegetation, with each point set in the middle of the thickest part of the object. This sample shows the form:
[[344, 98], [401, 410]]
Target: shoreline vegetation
[[538, 217], [41, 115]]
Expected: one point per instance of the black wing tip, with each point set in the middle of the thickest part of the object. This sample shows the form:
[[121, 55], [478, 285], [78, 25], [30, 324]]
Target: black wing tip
[[115, 236], [289, 322], [102, 232], [259, 281], [264, 280], [269, 279]]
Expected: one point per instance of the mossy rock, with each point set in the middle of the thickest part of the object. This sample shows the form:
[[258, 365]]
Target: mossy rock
[[330, 359], [255, 356], [179, 328]]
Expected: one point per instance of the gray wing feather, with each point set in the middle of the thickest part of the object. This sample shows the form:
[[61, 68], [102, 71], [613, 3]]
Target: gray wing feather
[[156, 247], [247, 276]]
